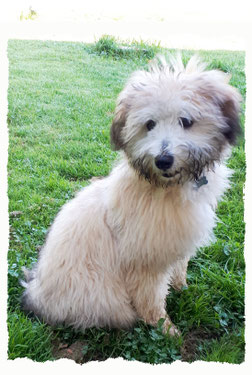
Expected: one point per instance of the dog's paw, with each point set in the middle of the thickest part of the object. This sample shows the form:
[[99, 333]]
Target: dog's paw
[[179, 284], [170, 329]]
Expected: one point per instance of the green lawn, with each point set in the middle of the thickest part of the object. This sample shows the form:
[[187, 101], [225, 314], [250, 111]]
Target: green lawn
[[61, 102]]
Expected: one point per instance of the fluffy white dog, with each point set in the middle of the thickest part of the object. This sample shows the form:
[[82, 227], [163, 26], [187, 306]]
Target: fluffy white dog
[[113, 250]]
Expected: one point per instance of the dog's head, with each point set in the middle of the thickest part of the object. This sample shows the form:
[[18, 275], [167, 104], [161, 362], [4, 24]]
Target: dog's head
[[174, 122]]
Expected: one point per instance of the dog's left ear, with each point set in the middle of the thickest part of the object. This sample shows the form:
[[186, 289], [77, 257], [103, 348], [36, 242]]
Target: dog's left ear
[[227, 99], [230, 109]]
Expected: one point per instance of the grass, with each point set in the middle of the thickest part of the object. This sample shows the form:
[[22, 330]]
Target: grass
[[61, 102], [229, 348], [32, 341]]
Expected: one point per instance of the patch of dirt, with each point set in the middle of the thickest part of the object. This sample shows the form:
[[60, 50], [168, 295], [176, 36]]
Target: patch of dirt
[[189, 350], [74, 351], [192, 340]]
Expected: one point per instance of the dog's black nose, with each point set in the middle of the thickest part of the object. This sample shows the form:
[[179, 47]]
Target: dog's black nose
[[164, 161]]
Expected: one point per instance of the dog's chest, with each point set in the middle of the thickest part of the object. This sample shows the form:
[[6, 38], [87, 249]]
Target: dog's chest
[[162, 228]]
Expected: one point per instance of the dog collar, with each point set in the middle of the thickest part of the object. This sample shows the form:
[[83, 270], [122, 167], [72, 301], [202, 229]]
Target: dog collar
[[200, 182]]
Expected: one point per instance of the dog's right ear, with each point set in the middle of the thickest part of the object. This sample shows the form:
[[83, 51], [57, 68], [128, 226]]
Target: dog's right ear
[[117, 125]]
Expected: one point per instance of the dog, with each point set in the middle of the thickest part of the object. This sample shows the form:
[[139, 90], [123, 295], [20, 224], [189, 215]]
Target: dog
[[113, 251]]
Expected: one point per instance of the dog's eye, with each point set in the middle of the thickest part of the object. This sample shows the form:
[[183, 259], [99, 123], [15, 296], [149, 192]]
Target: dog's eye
[[185, 122], [150, 125]]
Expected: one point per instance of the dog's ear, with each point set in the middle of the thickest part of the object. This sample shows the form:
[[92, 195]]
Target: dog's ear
[[227, 99], [118, 124], [230, 109]]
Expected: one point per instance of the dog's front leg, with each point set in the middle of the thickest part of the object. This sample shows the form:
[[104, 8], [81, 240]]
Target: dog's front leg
[[178, 274], [148, 293]]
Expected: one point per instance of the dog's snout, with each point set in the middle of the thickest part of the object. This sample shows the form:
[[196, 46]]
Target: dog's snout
[[164, 161]]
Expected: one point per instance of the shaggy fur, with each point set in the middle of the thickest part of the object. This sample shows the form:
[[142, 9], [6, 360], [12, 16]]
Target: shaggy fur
[[112, 250]]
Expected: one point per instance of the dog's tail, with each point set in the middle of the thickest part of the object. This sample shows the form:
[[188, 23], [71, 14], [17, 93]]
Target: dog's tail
[[27, 304], [28, 276]]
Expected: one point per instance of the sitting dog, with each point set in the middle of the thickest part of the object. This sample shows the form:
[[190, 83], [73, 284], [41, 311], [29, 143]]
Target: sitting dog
[[113, 250]]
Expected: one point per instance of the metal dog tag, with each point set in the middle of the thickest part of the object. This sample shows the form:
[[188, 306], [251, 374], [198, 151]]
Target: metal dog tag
[[202, 181]]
